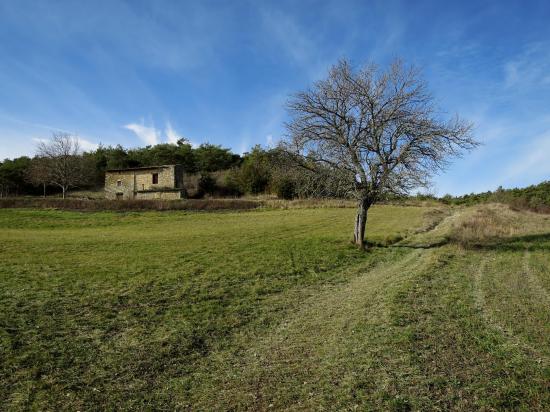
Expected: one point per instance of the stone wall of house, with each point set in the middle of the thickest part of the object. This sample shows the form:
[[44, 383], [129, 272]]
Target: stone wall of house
[[126, 184], [166, 179], [119, 182]]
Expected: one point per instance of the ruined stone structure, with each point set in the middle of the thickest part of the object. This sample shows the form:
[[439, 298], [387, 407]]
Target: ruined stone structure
[[155, 182]]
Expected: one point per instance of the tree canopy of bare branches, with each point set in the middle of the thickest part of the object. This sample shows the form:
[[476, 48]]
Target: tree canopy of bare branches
[[62, 163], [378, 130], [38, 173]]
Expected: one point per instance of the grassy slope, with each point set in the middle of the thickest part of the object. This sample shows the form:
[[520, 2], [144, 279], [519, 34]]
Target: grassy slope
[[265, 309]]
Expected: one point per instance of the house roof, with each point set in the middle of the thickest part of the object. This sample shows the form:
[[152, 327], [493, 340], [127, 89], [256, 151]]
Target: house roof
[[129, 169]]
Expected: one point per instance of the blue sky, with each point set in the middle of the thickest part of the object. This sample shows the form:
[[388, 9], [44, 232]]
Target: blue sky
[[138, 73]]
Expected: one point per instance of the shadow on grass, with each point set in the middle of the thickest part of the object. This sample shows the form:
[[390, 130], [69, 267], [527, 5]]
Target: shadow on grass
[[517, 243], [422, 246]]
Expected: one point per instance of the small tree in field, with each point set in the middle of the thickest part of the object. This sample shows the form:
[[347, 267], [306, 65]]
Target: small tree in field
[[38, 173], [377, 130], [63, 163]]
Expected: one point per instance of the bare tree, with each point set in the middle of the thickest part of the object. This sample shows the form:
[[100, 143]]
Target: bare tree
[[378, 130], [63, 162], [38, 173]]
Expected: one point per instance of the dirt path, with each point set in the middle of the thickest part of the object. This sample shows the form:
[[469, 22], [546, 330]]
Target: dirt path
[[436, 235]]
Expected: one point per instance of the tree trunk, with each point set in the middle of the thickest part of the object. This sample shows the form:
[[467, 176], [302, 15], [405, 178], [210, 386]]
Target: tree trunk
[[44, 187], [63, 188], [360, 224]]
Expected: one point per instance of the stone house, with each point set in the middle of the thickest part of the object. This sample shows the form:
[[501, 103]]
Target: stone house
[[154, 182]]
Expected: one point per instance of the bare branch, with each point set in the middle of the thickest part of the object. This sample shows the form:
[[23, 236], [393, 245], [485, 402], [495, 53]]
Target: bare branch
[[62, 161], [378, 130]]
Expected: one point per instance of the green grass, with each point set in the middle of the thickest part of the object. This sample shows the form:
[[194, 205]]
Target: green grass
[[274, 309]]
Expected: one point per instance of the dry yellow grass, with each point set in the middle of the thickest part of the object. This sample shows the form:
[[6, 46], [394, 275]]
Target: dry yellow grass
[[493, 222]]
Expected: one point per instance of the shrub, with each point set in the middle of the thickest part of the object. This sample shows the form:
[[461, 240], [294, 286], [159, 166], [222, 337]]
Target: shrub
[[254, 174], [207, 185], [285, 189], [231, 183]]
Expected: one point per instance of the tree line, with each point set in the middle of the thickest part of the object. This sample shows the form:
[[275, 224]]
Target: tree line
[[535, 197], [59, 166]]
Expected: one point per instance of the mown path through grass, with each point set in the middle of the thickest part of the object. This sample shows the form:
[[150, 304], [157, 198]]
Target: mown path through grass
[[407, 335], [313, 354]]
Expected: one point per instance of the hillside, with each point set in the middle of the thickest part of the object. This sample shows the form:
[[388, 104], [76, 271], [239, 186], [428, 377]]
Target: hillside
[[274, 309]]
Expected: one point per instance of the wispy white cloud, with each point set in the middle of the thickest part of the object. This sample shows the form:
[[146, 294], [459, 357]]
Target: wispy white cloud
[[151, 135], [34, 125], [87, 145], [156, 38], [296, 42], [148, 134], [530, 68], [20, 137], [288, 35], [171, 134]]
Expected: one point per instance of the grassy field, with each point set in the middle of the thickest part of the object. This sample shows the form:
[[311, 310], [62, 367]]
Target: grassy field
[[274, 309]]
